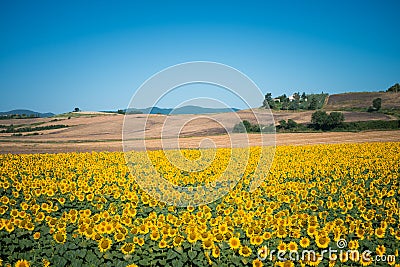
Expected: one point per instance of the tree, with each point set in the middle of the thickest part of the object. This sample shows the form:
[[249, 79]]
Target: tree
[[377, 103], [303, 96], [394, 88], [313, 104], [283, 98], [291, 124], [321, 120], [335, 119], [268, 101], [76, 110], [294, 105], [282, 124]]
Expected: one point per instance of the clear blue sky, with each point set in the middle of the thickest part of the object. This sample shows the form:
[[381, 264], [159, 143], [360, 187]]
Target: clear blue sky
[[57, 55]]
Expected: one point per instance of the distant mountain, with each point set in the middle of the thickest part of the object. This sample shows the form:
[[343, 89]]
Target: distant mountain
[[27, 113], [181, 110]]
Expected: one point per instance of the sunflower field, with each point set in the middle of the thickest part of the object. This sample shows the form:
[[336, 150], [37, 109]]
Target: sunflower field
[[87, 209]]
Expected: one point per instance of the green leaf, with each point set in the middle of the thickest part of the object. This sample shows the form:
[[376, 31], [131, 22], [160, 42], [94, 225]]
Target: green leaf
[[72, 246], [91, 257], [162, 262], [81, 253], [177, 263], [192, 254], [59, 261], [172, 255], [144, 262], [76, 263]]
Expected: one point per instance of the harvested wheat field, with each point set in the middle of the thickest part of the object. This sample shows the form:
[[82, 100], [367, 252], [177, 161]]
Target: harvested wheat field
[[94, 132]]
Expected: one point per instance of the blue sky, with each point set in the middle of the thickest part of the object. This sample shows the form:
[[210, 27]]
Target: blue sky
[[57, 55]]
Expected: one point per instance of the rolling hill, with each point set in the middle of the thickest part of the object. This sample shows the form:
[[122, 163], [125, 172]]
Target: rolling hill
[[27, 113], [182, 110], [362, 100]]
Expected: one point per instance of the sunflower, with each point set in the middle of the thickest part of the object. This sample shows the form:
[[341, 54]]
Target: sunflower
[[177, 241], [128, 248], [216, 252], [314, 259], [219, 237], [287, 264], [322, 241], [192, 237], [257, 263], [311, 230], [104, 244], [155, 235], [108, 228], [245, 251], [343, 256], [267, 235], [204, 236], [281, 233], [22, 263], [14, 213], [256, 240], [380, 250], [45, 262], [36, 235], [397, 234], [292, 246], [353, 244], [234, 243], [208, 243], [140, 241], [380, 232], [282, 246], [60, 237], [223, 228], [162, 243], [118, 237], [9, 227]]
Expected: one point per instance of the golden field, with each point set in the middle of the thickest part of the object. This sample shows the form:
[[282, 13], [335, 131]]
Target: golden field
[[86, 209]]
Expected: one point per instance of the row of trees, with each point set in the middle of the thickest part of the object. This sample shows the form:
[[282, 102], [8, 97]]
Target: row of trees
[[320, 120], [18, 116], [296, 102]]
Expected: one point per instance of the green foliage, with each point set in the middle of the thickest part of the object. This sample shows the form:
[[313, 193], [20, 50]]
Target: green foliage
[[289, 125], [18, 116], [376, 105], [369, 125], [313, 104], [268, 101], [299, 102], [394, 88], [321, 120], [13, 129], [246, 126]]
